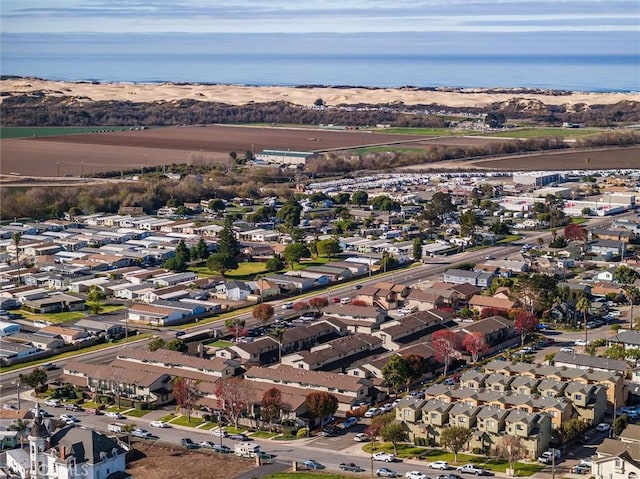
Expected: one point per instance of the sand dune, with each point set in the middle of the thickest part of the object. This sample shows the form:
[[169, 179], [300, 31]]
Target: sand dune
[[240, 95]]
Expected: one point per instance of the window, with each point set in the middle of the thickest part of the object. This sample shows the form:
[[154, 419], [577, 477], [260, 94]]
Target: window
[[519, 427], [491, 423], [356, 373], [632, 475], [578, 397], [462, 420]]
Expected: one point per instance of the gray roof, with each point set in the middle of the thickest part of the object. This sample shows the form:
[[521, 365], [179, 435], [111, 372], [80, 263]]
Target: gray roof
[[591, 362], [627, 337], [87, 445]]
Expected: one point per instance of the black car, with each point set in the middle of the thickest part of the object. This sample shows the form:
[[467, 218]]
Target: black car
[[330, 431], [188, 443], [239, 437]]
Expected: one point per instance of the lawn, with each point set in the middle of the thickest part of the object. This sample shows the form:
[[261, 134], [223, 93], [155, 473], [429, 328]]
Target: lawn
[[183, 421], [220, 344], [548, 133], [263, 434], [168, 417], [247, 270], [137, 412], [31, 131]]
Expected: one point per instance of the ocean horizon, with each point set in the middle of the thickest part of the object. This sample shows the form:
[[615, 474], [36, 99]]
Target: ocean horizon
[[330, 60]]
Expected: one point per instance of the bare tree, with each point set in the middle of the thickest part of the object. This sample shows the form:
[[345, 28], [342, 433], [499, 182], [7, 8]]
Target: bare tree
[[234, 395], [512, 450]]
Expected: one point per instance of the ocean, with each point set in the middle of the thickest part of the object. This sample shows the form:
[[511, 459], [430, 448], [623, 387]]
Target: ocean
[[548, 63]]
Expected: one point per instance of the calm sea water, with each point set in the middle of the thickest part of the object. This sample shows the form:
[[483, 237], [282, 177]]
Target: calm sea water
[[517, 64]]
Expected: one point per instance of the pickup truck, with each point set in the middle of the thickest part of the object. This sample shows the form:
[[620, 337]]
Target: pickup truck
[[547, 456], [473, 469], [351, 467]]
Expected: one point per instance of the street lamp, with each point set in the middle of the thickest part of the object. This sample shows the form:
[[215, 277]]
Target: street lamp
[[17, 383], [220, 429]]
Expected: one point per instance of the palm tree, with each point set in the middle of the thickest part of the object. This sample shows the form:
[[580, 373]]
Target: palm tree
[[632, 293], [584, 305], [16, 241], [21, 426]]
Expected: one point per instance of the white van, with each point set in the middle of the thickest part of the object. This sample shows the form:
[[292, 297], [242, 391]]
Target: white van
[[345, 300], [247, 449]]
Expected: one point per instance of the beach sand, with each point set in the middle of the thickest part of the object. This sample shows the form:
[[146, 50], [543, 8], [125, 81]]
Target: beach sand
[[241, 95]]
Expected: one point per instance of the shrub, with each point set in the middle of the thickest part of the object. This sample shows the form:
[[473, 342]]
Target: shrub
[[302, 433]]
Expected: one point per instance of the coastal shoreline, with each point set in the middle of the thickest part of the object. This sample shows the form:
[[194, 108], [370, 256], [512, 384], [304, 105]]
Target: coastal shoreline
[[304, 95]]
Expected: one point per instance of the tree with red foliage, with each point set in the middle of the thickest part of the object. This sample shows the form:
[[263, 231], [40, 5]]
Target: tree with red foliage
[[445, 343], [321, 404], [271, 406], [301, 307], [358, 302], [234, 396], [525, 322], [490, 312], [575, 232], [319, 303], [185, 394], [263, 312], [475, 344]]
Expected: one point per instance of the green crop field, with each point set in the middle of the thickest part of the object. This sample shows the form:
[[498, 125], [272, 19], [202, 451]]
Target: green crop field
[[548, 132], [36, 131]]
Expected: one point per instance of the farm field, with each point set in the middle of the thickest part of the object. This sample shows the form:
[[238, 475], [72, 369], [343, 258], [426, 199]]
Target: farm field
[[99, 152], [89, 153]]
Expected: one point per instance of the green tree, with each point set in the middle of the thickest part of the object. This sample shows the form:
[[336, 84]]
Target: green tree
[[360, 198], [263, 312], [468, 222], [388, 263], [290, 213], [625, 275], [177, 345], [156, 343], [620, 424], [584, 305], [95, 298], [36, 379], [180, 260], [21, 427], [217, 204], [221, 262], [328, 247], [632, 294], [417, 249], [394, 432], [294, 252], [201, 249], [274, 264], [455, 438], [227, 242], [396, 372], [321, 404]]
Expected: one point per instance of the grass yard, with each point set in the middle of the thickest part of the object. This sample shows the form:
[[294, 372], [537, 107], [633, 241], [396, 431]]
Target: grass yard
[[209, 425], [137, 412], [183, 421], [263, 434], [168, 417], [548, 132], [247, 270]]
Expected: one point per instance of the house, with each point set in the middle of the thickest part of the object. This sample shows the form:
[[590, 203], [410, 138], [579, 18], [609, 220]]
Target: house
[[480, 303], [234, 290], [357, 318], [94, 326], [54, 303], [475, 278], [616, 460], [68, 334], [592, 363], [607, 249], [61, 454], [627, 339]]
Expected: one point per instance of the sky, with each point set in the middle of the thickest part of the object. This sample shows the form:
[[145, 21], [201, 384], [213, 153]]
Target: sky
[[318, 16]]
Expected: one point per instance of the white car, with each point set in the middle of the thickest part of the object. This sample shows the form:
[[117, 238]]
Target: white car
[[114, 415], [444, 465], [52, 402], [566, 349], [361, 437], [161, 424], [581, 342], [384, 456], [603, 427], [219, 432], [374, 411], [387, 407], [139, 432], [415, 475], [69, 418]]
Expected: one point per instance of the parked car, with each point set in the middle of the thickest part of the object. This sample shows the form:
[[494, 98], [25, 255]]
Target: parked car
[[449, 476], [361, 437], [384, 456], [72, 407], [443, 465], [69, 418], [160, 424], [312, 464], [581, 469], [52, 402], [219, 432], [473, 469], [330, 431], [188, 443], [351, 467], [350, 421], [239, 437], [143, 433], [566, 349], [603, 427], [415, 475], [387, 407], [114, 415], [386, 472], [371, 412], [206, 445], [221, 448]]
